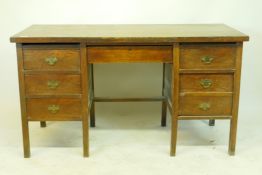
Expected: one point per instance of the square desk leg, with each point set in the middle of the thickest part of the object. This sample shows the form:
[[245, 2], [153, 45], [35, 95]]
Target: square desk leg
[[25, 128], [211, 122], [42, 124], [92, 93], [85, 96], [234, 119], [164, 102], [175, 98]]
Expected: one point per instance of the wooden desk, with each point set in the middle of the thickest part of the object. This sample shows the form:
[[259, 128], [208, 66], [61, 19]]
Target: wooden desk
[[201, 71]]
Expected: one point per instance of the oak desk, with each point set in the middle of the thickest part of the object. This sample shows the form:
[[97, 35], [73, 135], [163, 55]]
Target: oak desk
[[201, 71]]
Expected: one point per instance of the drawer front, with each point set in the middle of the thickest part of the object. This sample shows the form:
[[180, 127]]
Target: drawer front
[[205, 105], [51, 59], [130, 53], [206, 82], [53, 109], [204, 56], [52, 84]]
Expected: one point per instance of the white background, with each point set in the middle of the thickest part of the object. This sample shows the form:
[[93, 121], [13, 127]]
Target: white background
[[15, 15], [244, 15]]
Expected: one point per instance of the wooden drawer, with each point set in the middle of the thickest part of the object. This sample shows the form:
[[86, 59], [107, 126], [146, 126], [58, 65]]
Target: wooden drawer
[[49, 57], [130, 53], [205, 105], [52, 84], [53, 109], [207, 56], [206, 82]]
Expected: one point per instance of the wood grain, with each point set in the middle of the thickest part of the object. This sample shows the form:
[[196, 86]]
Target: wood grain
[[132, 99], [38, 84], [67, 59], [182, 49], [205, 71], [223, 56], [219, 105], [129, 54], [37, 109], [25, 127], [220, 82], [129, 33], [175, 97], [92, 95], [168, 81], [164, 102], [235, 105], [85, 104], [195, 117]]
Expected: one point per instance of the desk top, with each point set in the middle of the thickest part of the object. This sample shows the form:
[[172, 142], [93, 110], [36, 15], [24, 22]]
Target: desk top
[[129, 33]]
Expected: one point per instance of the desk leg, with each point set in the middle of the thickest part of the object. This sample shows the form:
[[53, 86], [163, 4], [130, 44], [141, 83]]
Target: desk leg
[[25, 122], [234, 119], [163, 117], [26, 141], [92, 115], [85, 136], [85, 102], [92, 110], [211, 122], [175, 98], [42, 124], [164, 103]]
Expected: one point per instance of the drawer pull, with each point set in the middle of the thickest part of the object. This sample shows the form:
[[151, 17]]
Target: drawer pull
[[52, 84], [206, 83], [207, 59], [204, 106], [51, 61], [53, 108]]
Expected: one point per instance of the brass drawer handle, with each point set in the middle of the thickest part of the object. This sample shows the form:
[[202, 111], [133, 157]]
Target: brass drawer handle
[[51, 61], [206, 83], [53, 108], [52, 84], [204, 106], [207, 59]]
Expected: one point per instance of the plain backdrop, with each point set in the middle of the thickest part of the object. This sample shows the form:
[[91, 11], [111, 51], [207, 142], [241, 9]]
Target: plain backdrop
[[123, 79], [244, 15]]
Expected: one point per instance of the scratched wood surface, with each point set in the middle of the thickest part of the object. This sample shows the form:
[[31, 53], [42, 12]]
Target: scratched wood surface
[[110, 34]]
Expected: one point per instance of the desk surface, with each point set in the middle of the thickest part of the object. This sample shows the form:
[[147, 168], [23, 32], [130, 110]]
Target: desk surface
[[129, 33]]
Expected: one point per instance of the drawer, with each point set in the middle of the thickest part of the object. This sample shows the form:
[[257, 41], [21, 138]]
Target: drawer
[[205, 105], [53, 109], [52, 84], [207, 56], [51, 58], [206, 82], [130, 53]]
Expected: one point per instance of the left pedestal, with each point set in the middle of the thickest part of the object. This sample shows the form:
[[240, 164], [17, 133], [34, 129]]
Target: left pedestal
[[53, 84]]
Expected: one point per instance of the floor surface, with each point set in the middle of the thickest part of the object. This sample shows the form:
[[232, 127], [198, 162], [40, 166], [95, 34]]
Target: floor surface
[[131, 142]]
